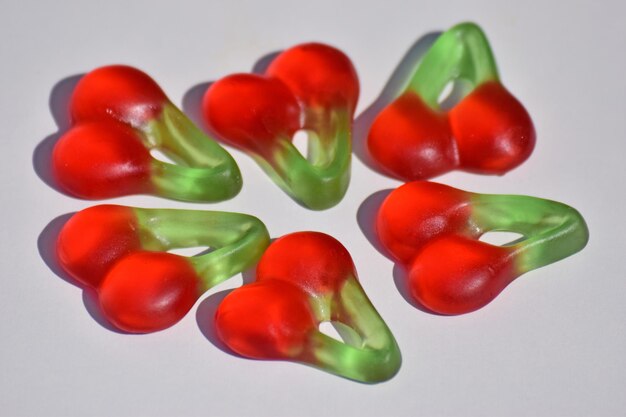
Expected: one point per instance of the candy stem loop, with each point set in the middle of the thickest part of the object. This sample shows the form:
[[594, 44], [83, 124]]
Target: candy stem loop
[[205, 171], [373, 356], [237, 240], [321, 180], [461, 52], [552, 230]]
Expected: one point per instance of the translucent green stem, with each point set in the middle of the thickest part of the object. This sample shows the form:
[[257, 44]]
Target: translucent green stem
[[370, 356], [204, 170], [552, 230], [462, 52], [237, 240], [319, 181]]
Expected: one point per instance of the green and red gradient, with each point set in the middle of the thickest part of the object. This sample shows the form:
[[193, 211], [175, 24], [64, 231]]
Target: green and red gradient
[[119, 114], [311, 87], [304, 279], [487, 132], [122, 253], [433, 230]]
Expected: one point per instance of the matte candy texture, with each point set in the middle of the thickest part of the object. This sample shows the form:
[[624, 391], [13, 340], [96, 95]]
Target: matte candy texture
[[488, 131], [433, 230], [304, 279], [119, 114], [311, 87], [122, 253]]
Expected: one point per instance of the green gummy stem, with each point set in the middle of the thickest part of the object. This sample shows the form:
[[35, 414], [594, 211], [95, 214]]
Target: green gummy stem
[[236, 240], [370, 353], [462, 52], [319, 181], [552, 230], [204, 171]]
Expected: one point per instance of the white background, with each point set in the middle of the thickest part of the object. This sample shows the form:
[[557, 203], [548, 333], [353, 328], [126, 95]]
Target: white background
[[554, 343]]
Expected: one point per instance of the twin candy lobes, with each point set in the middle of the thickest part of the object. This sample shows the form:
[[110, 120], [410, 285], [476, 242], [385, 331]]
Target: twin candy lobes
[[310, 87], [304, 279], [254, 112], [433, 230], [273, 317], [139, 291], [121, 252], [103, 156], [119, 114], [487, 132]]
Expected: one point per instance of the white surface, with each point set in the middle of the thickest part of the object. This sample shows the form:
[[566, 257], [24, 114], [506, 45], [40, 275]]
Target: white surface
[[554, 343]]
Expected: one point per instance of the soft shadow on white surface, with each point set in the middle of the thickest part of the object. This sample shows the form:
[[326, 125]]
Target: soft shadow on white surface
[[59, 107], [366, 218], [263, 63], [192, 103], [205, 313], [46, 245]]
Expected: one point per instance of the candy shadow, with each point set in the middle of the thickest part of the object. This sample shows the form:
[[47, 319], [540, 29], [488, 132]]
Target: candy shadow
[[390, 92], [401, 280], [205, 313], [366, 219], [59, 101], [46, 246], [263, 63], [192, 103]]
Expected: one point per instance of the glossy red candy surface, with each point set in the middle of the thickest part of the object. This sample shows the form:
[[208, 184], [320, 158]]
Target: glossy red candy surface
[[487, 132], [266, 320], [432, 230], [455, 274], [103, 247], [316, 262], [149, 291], [303, 280], [493, 131], [416, 212], [94, 239], [410, 140], [117, 92], [319, 75], [102, 160], [255, 112], [252, 112]]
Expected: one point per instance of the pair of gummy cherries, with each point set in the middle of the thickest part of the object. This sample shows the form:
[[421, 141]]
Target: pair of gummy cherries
[[119, 115]]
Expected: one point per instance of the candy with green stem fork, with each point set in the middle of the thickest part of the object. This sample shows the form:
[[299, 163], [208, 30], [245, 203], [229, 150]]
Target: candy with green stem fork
[[487, 131], [122, 253], [434, 230], [119, 114], [311, 87], [304, 279]]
